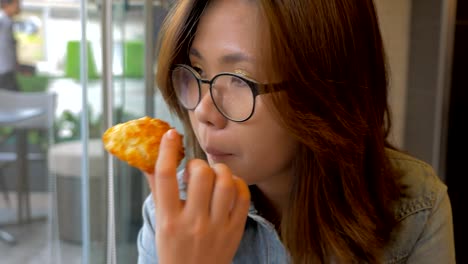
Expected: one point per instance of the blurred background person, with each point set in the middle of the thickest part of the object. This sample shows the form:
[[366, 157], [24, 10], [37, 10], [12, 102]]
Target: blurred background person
[[8, 55]]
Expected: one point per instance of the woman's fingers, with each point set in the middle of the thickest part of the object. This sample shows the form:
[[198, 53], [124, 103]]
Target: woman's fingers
[[241, 205], [223, 194], [165, 186], [215, 197], [200, 188], [215, 193]]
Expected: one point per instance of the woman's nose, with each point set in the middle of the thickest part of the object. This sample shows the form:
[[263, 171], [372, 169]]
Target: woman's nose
[[206, 111]]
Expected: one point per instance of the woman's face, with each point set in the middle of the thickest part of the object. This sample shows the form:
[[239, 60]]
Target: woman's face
[[257, 150]]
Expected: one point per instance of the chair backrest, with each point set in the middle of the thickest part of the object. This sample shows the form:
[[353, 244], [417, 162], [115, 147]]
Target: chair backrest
[[134, 59], [46, 101], [73, 61]]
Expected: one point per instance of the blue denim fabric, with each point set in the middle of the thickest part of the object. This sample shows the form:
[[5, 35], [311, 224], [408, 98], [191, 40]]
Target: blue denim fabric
[[424, 233]]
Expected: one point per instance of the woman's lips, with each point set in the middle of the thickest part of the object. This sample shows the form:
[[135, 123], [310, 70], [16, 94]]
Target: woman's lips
[[216, 155]]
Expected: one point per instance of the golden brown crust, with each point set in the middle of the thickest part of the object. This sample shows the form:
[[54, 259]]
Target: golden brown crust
[[137, 142]]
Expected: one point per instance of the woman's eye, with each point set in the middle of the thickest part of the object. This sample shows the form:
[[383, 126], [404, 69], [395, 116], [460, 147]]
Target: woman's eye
[[238, 82], [198, 70]]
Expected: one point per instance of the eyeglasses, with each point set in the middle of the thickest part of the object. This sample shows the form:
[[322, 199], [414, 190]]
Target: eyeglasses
[[233, 95]]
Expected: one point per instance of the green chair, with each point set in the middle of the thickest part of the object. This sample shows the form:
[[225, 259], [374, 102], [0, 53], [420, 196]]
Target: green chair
[[73, 58], [134, 59]]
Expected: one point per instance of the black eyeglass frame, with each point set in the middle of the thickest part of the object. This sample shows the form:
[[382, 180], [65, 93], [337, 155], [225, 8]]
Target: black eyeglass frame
[[255, 87]]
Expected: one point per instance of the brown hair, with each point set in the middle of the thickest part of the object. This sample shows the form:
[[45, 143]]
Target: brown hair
[[334, 102]]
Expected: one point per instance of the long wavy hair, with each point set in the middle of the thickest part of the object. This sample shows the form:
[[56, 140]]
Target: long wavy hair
[[334, 102]]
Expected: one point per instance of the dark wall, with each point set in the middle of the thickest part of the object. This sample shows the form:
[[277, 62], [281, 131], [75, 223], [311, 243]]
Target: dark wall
[[457, 142]]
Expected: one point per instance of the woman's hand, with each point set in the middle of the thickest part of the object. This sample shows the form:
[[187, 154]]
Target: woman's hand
[[208, 227]]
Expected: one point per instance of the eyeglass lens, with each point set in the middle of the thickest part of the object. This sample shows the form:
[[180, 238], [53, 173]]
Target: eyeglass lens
[[231, 95]]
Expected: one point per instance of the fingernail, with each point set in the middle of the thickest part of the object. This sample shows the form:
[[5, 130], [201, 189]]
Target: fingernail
[[171, 134]]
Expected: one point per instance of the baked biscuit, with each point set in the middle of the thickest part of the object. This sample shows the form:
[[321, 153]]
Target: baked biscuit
[[137, 142]]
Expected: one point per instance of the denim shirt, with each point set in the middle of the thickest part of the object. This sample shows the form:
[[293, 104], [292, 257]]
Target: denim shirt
[[424, 233]]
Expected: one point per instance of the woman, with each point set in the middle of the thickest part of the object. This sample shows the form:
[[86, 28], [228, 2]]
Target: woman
[[288, 98]]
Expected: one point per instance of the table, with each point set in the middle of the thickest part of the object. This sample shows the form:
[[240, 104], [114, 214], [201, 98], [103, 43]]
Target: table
[[9, 117]]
